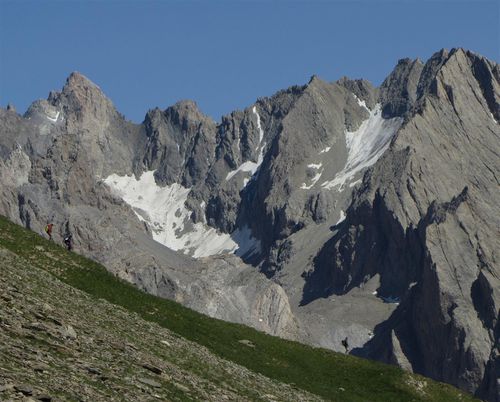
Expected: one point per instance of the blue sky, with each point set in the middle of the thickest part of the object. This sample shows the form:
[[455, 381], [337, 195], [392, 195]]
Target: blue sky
[[223, 54]]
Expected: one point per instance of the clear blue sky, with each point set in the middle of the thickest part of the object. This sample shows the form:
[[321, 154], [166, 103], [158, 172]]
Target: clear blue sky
[[223, 54]]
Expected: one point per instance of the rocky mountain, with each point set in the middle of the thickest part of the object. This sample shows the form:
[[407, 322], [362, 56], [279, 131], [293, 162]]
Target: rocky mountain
[[331, 213]]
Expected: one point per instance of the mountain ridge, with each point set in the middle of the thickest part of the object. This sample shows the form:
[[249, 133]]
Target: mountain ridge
[[326, 188]]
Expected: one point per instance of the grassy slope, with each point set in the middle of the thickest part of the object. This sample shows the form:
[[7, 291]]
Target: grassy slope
[[331, 375]]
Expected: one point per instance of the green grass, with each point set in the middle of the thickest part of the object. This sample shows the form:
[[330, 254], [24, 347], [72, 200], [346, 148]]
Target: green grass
[[330, 375]]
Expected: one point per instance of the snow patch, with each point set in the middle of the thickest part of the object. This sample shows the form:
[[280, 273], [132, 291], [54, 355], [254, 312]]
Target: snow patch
[[238, 146], [361, 103], [354, 183], [493, 118], [249, 166], [365, 146], [261, 132], [247, 244], [163, 208], [342, 217], [55, 118], [325, 150], [313, 181], [203, 206]]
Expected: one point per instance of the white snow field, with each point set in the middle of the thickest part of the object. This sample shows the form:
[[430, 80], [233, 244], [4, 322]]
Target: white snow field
[[365, 146], [250, 166], [164, 210]]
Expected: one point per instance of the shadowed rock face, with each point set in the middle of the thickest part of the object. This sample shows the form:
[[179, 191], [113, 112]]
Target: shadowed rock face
[[373, 212], [398, 92], [425, 222], [180, 144]]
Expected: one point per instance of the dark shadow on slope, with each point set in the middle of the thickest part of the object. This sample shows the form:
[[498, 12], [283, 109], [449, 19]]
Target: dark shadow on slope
[[369, 241], [425, 333], [394, 340], [485, 74]]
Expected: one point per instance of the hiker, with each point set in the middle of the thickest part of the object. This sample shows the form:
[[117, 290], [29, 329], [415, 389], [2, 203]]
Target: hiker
[[345, 344], [48, 230], [67, 241]]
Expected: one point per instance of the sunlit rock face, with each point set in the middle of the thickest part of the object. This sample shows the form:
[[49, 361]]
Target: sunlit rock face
[[357, 218]]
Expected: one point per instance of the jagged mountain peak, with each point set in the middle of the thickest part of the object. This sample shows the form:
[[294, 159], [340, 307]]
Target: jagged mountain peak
[[429, 71], [444, 55], [79, 98], [398, 92], [186, 104], [445, 72], [322, 186], [315, 80], [82, 99], [80, 84], [362, 88], [447, 148], [186, 110], [183, 113], [408, 61], [78, 80]]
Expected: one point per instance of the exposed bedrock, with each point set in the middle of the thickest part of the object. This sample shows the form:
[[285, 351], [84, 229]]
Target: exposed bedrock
[[365, 215], [424, 220]]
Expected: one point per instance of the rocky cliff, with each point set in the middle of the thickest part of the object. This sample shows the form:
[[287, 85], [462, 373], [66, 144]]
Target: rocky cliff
[[359, 216], [425, 222]]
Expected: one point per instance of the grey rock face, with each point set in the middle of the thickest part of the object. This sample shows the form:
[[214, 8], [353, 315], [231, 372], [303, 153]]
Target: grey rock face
[[398, 92], [243, 143], [427, 81], [375, 210], [363, 89], [179, 145], [72, 140], [316, 122], [420, 221]]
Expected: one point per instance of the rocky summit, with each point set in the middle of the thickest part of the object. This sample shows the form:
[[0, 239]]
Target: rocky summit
[[365, 220]]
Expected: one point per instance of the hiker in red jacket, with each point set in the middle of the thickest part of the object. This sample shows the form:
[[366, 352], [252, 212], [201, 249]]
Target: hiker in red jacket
[[48, 230]]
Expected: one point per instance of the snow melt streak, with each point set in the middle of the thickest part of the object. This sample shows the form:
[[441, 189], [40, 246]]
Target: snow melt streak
[[316, 177], [164, 210], [250, 166], [365, 146], [55, 118]]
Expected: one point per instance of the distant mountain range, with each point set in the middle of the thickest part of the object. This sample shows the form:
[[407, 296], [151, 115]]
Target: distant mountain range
[[361, 219]]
